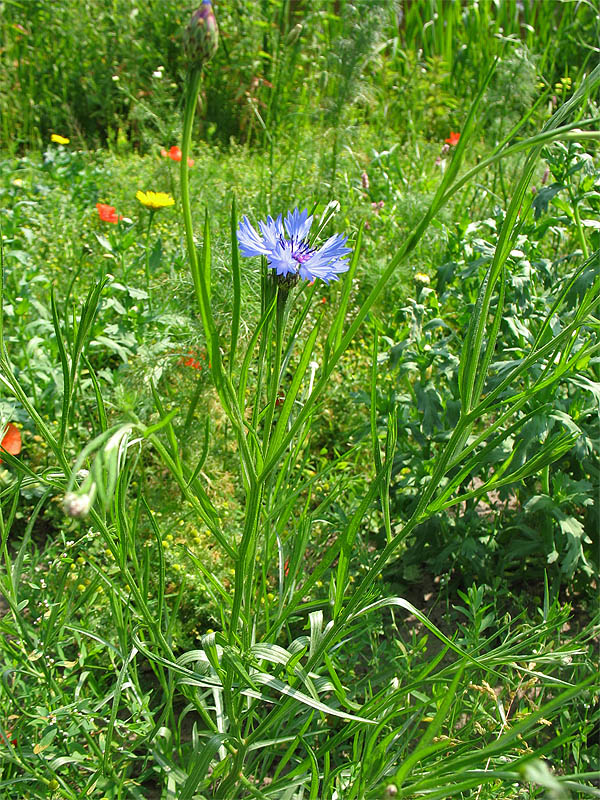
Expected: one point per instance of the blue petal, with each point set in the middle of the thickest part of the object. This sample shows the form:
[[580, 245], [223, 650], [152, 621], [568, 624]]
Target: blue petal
[[297, 224], [272, 232], [282, 260], [251, 244], [328, 261]]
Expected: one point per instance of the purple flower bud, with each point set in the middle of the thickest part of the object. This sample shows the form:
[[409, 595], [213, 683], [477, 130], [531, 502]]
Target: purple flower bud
[[201, 37], [365, 181], [545, 176]]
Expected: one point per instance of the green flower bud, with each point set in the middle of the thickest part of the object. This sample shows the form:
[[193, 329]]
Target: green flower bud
[[294, 34], [201, 37]]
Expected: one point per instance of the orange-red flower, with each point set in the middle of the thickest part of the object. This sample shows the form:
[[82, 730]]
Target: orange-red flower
[[453, 139], [175, 154], [11, 442], [190, 361], [108, 213]]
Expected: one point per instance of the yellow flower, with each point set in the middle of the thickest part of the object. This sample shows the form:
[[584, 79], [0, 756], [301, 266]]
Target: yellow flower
[[57, 139], [155, 200], [420, 277]]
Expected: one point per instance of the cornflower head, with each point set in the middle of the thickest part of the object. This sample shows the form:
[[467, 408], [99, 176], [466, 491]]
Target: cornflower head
[[289, 251], [201, 37], [155, 200]]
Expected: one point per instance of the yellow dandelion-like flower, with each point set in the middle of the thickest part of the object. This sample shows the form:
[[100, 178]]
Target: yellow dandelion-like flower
[[155, 200], [420, 277], [58, 139]]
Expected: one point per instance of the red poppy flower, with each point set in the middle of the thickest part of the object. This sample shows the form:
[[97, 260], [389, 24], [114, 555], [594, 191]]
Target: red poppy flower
[[108, 213], [453, 139], [11, 443], [175, 154], [190, 361]]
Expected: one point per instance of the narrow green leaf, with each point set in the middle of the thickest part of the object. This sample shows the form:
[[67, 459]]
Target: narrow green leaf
[[288, 691], [237, 287], [201, 759], [106, 765]]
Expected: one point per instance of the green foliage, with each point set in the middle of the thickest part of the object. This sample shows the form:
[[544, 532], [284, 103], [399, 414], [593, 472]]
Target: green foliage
[[420, 369], [208, 550], [281, 67]]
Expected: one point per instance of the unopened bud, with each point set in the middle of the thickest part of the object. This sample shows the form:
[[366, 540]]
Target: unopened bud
[[77, 505], [294, 34], [201, 37]]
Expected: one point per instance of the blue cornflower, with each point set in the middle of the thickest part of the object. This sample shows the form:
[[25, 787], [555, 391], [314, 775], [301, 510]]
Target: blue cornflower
[[288, 250]]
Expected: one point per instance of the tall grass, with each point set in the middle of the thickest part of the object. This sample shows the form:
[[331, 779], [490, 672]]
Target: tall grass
[[280, 64]]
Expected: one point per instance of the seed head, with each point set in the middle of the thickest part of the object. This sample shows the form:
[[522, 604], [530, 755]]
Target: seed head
[[201, 37]]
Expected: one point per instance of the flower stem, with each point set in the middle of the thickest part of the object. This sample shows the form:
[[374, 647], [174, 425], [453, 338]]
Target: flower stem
[[274, 377], [188, 121], [147, 264], [577, 218]]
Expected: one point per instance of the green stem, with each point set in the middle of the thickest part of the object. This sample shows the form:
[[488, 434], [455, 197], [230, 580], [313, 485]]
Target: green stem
[[188, 121], [245, 564], [275, 377], [147, 264], [546, 480], [580, 233]]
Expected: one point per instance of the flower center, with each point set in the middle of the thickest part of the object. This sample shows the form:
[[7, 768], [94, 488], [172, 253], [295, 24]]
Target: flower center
[[301, 250]]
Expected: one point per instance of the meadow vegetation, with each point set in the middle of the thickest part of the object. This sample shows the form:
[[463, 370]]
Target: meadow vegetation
[[300, 539]]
